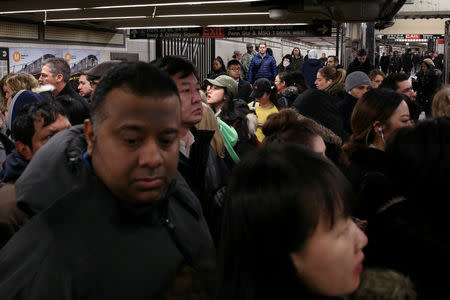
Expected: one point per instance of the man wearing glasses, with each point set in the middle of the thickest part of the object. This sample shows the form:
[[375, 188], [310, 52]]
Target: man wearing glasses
[[234, 69]]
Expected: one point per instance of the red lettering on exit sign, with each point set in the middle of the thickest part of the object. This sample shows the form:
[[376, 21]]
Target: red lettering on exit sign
[[213, 32], [412, 36]]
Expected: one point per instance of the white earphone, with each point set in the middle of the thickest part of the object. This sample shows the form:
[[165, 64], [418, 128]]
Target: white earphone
[[381, 131]]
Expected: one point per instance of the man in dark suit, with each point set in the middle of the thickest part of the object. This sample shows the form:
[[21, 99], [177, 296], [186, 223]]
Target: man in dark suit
[[234, 71], [56, 71]]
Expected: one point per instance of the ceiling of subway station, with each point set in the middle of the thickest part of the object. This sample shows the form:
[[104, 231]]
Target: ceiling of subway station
[[120, 14]]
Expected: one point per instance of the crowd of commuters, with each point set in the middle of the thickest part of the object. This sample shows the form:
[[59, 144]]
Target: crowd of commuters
[[301, 179]]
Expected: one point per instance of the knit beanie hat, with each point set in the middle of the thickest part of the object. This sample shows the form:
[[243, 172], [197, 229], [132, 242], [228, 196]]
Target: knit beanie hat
[[355, 79], [21, 98], [428, 62]]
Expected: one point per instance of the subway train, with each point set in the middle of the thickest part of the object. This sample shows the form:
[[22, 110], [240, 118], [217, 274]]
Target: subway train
[[36, 66], [84, 64]]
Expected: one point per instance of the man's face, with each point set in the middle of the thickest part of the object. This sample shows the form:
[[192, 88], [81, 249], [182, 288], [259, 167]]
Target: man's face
[[331, 62], [250, 50], [362, 59], [43, 133], [134, 149], [84, 87], [359, 91], [234, 71], [48, 78], [262, 49], [404, 87], [191, 103]]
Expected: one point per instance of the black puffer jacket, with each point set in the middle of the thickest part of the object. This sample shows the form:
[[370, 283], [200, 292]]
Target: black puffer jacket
[[428, 84]]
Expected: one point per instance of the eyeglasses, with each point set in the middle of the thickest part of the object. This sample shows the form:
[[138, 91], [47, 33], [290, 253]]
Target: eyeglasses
[[362, 224], [94, 82]]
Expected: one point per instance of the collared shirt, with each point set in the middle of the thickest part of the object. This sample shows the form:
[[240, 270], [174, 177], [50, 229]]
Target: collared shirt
[[186, 150]]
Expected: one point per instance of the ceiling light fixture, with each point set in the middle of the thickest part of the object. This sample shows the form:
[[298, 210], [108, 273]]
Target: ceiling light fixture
[[37, 11], [98, 18], [159, 27], [257, 25], [213, 15], [222, 25], [175, 4]]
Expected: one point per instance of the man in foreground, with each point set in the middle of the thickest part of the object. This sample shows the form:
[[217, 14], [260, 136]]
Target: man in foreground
[[122, 226]]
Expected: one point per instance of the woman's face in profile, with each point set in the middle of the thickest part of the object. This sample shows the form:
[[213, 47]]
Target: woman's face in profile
[[216, 65], [330, 263]]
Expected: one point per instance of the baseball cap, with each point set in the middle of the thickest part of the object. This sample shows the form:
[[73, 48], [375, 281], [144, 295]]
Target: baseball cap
[[249, 45], [261, 86], [237, 52], [225, 81], [102, 68]]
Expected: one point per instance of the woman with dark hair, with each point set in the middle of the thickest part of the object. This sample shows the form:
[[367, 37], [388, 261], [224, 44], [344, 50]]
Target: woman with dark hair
[[297, 58], [265, 103], [222, 97], [295, 85], [218, 68], [287, 231], [376, 117], [288, 126], [428, 84], [286, 64], [410, 233]]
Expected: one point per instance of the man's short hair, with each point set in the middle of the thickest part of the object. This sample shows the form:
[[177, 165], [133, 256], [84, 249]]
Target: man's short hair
[[74, 109], [139, 78], [361, 52], [262, 43], [392, 79], [233, 62], [58, 65], [174, 65], [334, 57], [23, 125]]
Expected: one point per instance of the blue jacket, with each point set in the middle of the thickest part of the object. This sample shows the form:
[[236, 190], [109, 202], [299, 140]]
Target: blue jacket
[[262, 68], [13, 167], [309, 69]]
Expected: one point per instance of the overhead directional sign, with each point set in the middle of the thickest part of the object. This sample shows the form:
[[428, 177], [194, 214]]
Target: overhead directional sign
[[318, 28]]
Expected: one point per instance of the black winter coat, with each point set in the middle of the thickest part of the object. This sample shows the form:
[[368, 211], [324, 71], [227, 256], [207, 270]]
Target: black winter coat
[[90, 245], [321, 107], [355, 65]]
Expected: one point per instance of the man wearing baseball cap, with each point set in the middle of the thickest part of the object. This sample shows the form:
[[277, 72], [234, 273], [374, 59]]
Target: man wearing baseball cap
[[247, 59], [356, 85]]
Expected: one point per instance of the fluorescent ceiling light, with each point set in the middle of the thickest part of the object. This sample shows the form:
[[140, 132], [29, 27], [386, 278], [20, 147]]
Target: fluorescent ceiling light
[[37, 10], [224, 25], [175, 4], [213, 15], [99, 18], [257, 25], [159, 27]]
